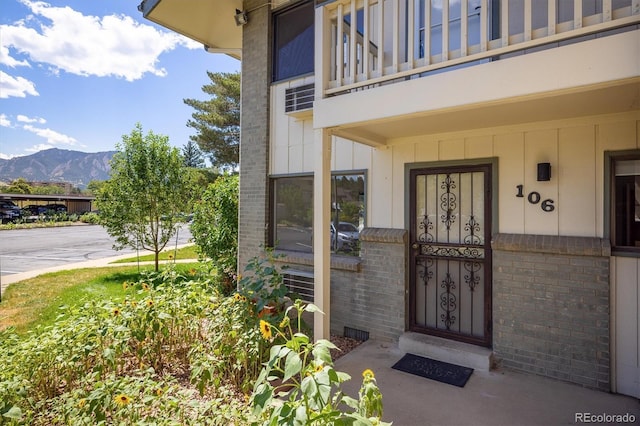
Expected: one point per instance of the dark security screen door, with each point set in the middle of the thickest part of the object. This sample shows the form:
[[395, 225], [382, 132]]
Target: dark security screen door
[[450, 253]]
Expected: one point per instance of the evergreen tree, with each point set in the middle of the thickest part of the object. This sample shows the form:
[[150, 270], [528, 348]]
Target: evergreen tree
[[217, 120], [192, 155]]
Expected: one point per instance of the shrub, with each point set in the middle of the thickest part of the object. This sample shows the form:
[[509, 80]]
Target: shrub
[[298, 385], [215, 225], [111, 362], [92, 218]]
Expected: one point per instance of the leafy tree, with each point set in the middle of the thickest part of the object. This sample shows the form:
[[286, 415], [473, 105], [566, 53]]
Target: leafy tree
[[141, 204], [217, 120], [19, 186], [192, 155], [215, 225], [93, 187]]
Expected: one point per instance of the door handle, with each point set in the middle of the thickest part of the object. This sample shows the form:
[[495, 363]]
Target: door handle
[[415, 246]]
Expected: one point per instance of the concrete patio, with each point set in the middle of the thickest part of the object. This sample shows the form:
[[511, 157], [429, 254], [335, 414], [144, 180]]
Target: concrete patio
[[498, 397]]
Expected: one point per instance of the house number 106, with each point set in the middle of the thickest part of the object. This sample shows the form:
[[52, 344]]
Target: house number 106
[[534, 198]]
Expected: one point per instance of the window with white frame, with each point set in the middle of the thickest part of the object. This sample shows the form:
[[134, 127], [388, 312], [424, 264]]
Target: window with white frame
[[292, 212]]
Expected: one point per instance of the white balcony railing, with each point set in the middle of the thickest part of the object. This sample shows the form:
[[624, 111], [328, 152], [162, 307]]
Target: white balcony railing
[[365, 43]]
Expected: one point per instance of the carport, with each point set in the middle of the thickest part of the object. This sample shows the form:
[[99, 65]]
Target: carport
[[73, 203]]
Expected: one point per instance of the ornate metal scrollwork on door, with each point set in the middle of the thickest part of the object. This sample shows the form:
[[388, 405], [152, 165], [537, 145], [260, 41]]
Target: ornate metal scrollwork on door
[[450, 253], [448, 202], [448, 302]]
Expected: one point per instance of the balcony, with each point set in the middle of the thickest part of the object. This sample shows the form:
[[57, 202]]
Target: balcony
[[372, 42], [375, 53]]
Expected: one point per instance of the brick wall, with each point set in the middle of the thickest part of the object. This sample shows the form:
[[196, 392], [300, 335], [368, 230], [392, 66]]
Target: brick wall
[[551, 307], [367, 293], [254, 132]]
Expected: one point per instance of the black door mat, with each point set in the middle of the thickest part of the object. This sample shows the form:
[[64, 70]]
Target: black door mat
[[432, 369]]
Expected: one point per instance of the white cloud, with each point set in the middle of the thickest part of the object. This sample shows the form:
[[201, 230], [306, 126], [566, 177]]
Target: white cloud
[[7, 156], [18, 87], [53, 138], [4, 121], [65, 39], [40, 147], [6, 59], [25, 119]]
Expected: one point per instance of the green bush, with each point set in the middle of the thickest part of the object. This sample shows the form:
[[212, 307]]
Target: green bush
[[112, 363], [215, 225], [92, 218], [178, 352]]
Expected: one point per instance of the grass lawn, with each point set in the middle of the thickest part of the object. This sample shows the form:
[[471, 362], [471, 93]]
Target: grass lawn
[[37, 301], [184, 253]]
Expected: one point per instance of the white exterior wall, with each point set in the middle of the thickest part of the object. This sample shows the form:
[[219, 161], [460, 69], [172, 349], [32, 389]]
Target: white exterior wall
[[575, 149], [292, 140]]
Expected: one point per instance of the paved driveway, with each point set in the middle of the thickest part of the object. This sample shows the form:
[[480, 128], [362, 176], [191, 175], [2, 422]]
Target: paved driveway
[[23, 250]]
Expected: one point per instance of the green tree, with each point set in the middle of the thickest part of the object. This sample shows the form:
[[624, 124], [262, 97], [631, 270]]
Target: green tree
[[19, 186], [148, 189], [215, 225], [192, 155], [93, 187], [217, 120]]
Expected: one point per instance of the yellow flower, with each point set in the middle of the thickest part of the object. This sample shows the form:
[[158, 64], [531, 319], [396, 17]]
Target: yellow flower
[[125, 285], [116, 312], [368, 375], [237, 297], [149, 303], [82, 403], [192, 271], [158, 392], [134, 303], [265, 329], [170, 256], [318, 368], [122, 399], [145, 286]]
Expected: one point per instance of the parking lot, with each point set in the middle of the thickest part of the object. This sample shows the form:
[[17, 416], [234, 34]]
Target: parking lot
[[23, 250]]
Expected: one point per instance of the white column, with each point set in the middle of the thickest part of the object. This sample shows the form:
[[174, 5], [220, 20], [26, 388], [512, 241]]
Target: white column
[[321, 232]]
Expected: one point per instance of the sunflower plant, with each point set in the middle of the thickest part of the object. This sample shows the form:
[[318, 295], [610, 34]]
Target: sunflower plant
[[299, 385]]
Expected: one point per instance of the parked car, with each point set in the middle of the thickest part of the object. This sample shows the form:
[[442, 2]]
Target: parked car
[[57, 208], [347, 236], [9, 211], [34, 210]]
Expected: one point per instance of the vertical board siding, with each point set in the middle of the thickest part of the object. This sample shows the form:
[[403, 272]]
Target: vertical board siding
[[627, 327]]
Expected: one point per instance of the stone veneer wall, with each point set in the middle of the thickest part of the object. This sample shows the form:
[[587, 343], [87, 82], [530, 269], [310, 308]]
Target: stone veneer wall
[[551, 307], [367, 293], [254, 132]]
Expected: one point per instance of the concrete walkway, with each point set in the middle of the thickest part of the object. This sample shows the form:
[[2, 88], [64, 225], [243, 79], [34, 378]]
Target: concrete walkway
[[489, 398]]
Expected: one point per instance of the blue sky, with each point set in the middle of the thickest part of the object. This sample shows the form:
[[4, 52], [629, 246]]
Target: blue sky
[[79, 74]]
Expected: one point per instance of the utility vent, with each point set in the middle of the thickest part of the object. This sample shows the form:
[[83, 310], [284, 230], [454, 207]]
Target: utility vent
[[299, 284], [299, 98], [356, 334]]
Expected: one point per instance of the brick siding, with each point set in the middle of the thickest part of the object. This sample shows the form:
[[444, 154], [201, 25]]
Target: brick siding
[[551, 307], [254, 131], [367, 293]]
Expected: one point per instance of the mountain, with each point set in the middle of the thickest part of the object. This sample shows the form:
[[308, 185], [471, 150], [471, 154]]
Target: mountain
[[58, 165]]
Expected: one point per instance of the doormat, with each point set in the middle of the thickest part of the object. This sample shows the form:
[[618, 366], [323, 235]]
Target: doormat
[[432, 369]]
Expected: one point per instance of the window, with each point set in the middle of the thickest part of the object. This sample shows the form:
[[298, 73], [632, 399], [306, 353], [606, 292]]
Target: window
[[292, 226], [293, 36], [625, 202]]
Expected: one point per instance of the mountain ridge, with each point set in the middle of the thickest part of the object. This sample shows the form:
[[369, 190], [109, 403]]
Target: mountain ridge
[[58, 165]]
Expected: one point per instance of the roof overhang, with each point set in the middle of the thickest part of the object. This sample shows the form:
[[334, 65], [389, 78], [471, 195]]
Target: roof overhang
[[209, 22]]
